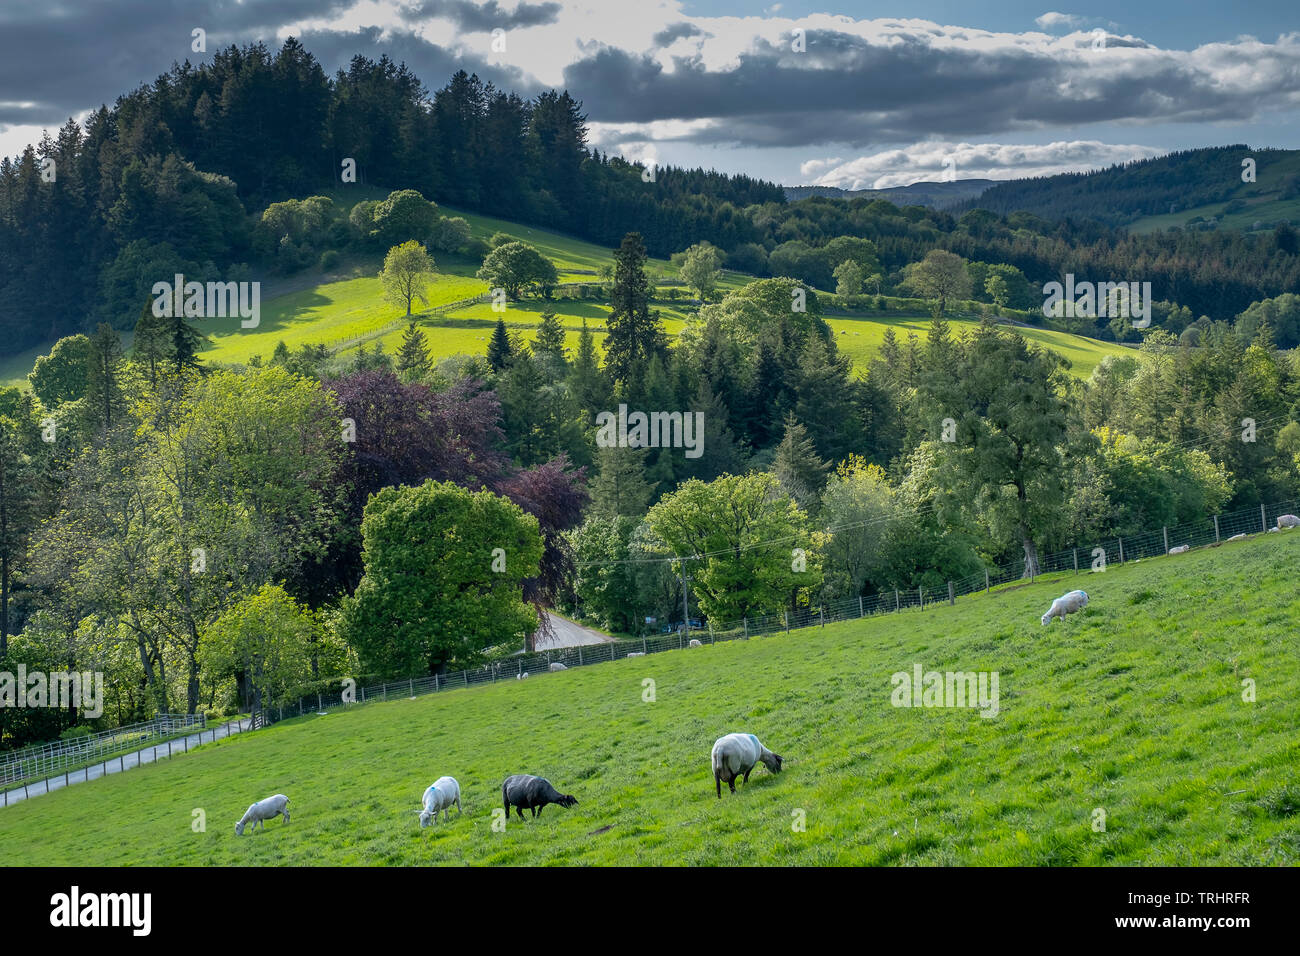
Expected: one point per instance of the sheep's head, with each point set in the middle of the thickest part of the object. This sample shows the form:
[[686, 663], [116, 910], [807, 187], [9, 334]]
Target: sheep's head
[[425, 816], [239, 828], [567, 800], [773, 763], [1047, 617]]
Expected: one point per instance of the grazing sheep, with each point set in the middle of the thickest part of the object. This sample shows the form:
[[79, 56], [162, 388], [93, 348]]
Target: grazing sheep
[[1287, 521], [1238, 537], [736, 754], [442, 793], [636, 654], [1180, 549], [526, 792], [1066, 604], [521, 676], [558, 667], [694, 643], [262, 811]]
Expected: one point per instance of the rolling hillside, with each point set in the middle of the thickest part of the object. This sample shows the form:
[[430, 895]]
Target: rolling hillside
[[1135, 707]]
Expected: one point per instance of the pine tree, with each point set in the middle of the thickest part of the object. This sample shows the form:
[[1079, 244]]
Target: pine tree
[[500, 354], [103, 385], [413, 356], [186, 343], [281, 354], [550, 335], [797, 467], [634, 336], [587, 382], [151, 342], [620, 488]]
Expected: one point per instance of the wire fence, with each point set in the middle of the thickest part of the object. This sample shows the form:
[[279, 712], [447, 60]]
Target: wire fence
[[1077, 560], [59, 755], [126, 761]]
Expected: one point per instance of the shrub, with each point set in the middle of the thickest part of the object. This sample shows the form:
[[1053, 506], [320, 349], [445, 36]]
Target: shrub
[[329, 259]]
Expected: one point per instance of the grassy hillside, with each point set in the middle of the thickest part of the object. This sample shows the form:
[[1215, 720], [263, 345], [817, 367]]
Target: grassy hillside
[[1133, 706]]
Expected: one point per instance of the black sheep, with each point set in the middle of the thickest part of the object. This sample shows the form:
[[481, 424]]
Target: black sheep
[[523, 791]]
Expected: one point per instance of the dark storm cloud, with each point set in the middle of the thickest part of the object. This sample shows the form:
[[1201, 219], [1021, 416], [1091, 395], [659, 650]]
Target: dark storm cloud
[[675, 32], [476, 17], [57, 61], [846, 89], [431, 63]]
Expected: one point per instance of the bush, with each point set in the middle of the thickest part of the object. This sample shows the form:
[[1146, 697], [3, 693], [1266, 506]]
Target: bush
[[329, 259], [81, 730]]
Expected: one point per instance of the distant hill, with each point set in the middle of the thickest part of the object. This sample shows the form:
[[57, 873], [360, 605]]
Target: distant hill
[[1195, 189], [934, 195]]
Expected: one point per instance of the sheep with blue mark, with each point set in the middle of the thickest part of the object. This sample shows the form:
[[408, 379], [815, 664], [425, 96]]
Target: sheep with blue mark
[[440, 796], [1066, 604]]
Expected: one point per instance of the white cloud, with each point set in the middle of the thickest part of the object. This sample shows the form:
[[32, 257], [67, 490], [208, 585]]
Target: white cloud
[[925, 162], [1054, 21]]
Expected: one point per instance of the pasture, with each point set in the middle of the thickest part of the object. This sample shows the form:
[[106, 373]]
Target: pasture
[[1133, 707]]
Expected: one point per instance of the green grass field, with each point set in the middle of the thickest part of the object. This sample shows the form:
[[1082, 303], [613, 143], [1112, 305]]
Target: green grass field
[[1133, 707]]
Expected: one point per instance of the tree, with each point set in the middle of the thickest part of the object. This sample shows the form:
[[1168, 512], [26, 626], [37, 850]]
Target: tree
[[515, 266], [405, 216], [701, 266], [407, 272], [18, 510], [449, 234], [103, 385], [604, 579], [550, 335], [413, 355], [150, 343], [265, 641], [619, 488], [941, 276], [63, 375], [996, 288], [500, 352], [747, 546], [858, 503], [796, 465], [1007, 465], [848, 282], [634, 336], [443, 582], [587, 381]]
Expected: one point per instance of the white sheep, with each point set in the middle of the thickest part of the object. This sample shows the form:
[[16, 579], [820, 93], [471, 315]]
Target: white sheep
[[557, 666], [694, 643], [521, 676], [1238, 537], [442, 793], [736, 754], [262, 811], [1180, 549], [636, 654], [1066, 604], [1287, 521]]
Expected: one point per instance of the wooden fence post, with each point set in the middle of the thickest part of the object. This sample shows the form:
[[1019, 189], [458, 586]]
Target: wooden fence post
[[986, 580], [1263, 521], [896, 599], [1216, 529], [1075, 553], [1165, 530], [952, 596], [1121, 550]]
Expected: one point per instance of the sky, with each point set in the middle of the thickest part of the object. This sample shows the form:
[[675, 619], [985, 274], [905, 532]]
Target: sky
[[840, 93]]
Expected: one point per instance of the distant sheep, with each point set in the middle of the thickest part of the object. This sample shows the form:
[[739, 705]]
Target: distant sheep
[[1180, 549], [694, 643], [558, 667], [1287, 521], [736, 754], [526, 792], [521, 676], [262, 811], [1066, 604], [440, 796], [636, 654], [1238, 537]]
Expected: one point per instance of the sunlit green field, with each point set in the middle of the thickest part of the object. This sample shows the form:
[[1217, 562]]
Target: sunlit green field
[[1133, 707]]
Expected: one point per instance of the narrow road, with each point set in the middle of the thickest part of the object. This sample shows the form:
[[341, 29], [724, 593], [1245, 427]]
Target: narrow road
[[566, 633], [177, 745]]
